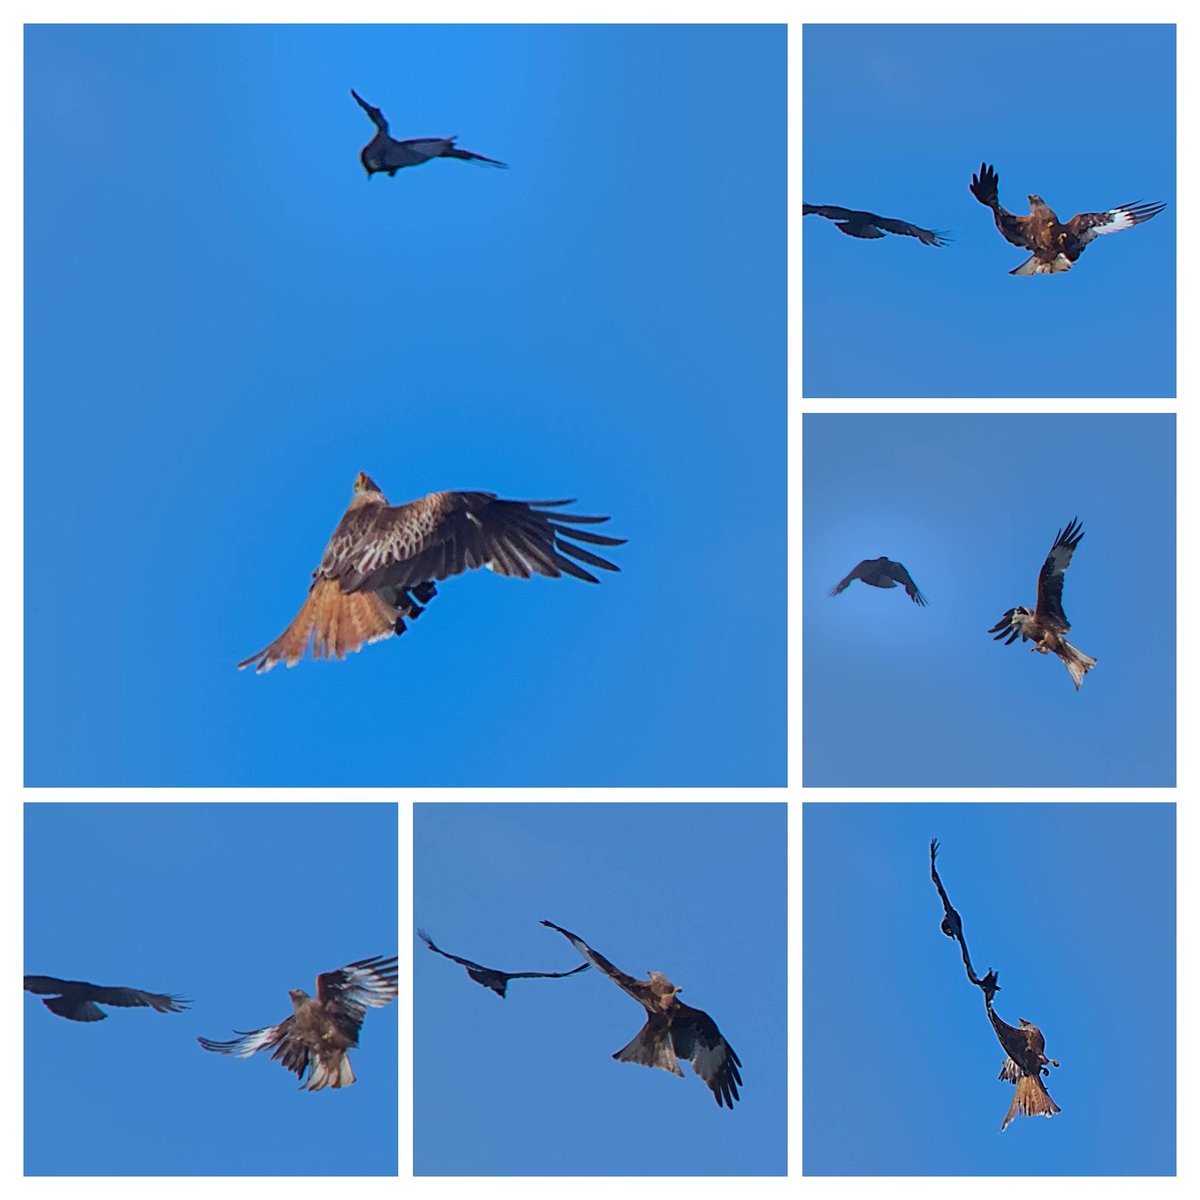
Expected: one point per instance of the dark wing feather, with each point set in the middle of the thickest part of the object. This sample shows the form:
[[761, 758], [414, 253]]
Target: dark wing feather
[[985, 187], [462, 962], [352, 989], [857, 573], [696, 1037], [930, 237], [639, 989], [547, 974], [897, 571], [1085, 227], [447, 533], [374, 113], [1050, 580]]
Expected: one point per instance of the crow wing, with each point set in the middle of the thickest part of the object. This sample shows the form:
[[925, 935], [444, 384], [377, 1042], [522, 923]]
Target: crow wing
[[77, 1001]]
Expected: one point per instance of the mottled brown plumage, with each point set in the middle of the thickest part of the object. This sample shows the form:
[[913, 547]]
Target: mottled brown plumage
[[1024, 1066], [381, 563]]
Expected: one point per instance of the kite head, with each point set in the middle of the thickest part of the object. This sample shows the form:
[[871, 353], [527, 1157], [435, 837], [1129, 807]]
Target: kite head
[[363, 483], [662, 986], [299, 998]]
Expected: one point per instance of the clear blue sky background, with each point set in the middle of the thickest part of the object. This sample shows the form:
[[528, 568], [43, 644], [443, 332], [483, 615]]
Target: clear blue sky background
[[697, 891], [896, 120], [1074, 907], [898, 695], [226, 321], [230, 906]]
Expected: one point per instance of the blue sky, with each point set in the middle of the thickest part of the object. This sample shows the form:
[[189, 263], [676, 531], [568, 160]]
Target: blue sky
[[898, 695], [226, 321], [900, 1061], [697, 891], [231, 906], [896, 120]]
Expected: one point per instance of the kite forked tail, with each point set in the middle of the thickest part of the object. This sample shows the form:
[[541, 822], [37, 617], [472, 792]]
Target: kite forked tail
[[1076, 662], [1039, 266], [651, 1048], [338, 623], [1030, 1098], [323, 1075]]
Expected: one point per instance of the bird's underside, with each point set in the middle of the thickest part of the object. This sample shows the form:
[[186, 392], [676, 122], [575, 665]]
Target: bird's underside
[[383, 563]]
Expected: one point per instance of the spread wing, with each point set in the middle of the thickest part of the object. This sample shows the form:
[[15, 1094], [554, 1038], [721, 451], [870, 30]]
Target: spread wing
[[1085, 227], [985, 187], [77, 1001], [639, 989], [293, 1054], [951, 922], [696, 1037], [447, 533], [1050, 581], [491, 977], [374, 113], [896, 571], [352, 989], [869, 225], [857, 573]]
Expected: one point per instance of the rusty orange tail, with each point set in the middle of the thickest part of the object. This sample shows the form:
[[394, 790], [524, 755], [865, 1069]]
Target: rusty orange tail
[[1030, 1100], [337, 623]]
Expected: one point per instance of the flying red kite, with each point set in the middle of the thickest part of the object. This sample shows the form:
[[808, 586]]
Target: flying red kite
[[1045, 626], [77, 1001], [489, 976], [881, 573], [673, 1030], [1024, 1067], [381, 563], [858, 224], [1055, 247], [318, 1034], [385, 153]]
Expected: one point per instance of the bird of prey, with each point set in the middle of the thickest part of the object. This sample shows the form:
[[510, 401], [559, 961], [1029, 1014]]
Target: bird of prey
[[1024, 1067], [858, 224], [382, 561], [489, 976], [77, 1001], [1047, 624], [320, 1031], [881, 573], [952, 922], [673, 1030], [1055, 246], [385, 153]]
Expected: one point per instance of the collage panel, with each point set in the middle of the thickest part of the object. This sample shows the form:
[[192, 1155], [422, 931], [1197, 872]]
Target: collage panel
[[987, 963], [650, 899], [289, 349], [960, 201], [156, 932], [1011, 648]]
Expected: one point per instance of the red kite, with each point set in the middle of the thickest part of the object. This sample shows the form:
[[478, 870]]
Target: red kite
[[1055, 247], [489, 976], [1024, 1067], [318, 1034], [381, 563], [673, 1030], [77, 1001], [858, 224], [385, 153], [881, 573], [1045, 626]]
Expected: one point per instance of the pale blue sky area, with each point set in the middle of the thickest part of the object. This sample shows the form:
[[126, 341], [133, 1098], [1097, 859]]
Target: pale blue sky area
[[226, 321], [527, 1085], [229, 905], [896, 120], [899, 695], [1072, 904]]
